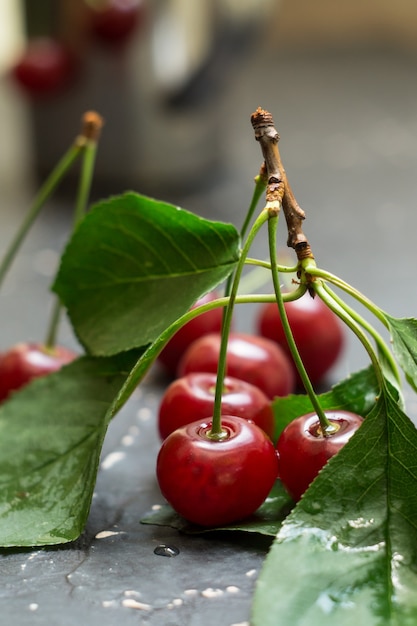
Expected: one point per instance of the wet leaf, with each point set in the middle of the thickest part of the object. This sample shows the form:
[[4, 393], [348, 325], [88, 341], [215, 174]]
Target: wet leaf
[[348, 551], [266, 521], [135, 265], [51, 435], [404, 343]]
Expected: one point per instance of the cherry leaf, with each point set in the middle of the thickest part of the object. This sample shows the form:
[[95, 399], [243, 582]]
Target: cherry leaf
[[134, 265], [348, 550], [51, 437], [357, 393], [404, 343], [266, 520]]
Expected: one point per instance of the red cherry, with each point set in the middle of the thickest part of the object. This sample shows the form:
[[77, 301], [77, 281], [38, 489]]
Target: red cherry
[[216, 482], [191, 398], [317, 331], [256, 360], [46, 67], [25, 361], [115, 21], [303, 449], [208, 322]]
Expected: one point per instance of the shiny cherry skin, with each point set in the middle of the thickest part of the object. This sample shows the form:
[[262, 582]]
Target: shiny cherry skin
[[115, 21], [45, 67], [210, 482], [303, 450], [26, 361], [317, 331], [256, 360], [208, 322], [192, 397]]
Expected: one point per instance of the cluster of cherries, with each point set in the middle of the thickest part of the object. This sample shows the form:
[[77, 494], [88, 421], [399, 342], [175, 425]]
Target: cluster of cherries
[[219, 480], [48, 65]]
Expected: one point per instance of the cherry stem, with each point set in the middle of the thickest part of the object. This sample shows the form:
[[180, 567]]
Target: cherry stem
[[288, 269], [216, 431], [313, 270], [42, 196], [382, 346], [326, 425], [147, 358], [231, 285], [341, 311], [88, 139], [260, 186]]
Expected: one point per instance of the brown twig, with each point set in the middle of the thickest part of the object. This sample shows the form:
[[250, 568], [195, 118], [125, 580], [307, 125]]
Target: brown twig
[[278, 191]]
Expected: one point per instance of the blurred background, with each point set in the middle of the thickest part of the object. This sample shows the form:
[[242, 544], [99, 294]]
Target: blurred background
[[176, 82]]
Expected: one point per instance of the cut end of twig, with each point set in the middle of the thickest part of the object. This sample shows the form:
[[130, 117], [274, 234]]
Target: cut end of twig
[[261, 117], [263, 124], [92, 123]]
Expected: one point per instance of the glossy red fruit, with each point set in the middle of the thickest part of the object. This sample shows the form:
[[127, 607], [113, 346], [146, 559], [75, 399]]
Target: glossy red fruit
[[208, 322], [317, 331], [25, 361], [256, 360], [210, 482], [46, 67], [303, 450], [115, 21], [191, 398]]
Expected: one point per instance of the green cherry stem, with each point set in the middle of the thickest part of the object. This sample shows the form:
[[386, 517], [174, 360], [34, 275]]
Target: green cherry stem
[[382, 346], [313, 270], [343, 313], [148, 357], [42, 196], [326, 426], [260, 186], [92, 124], [289, 269], [216, 431]]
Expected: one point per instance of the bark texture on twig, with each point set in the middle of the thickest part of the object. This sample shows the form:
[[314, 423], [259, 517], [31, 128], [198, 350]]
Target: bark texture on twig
[[278, 191]]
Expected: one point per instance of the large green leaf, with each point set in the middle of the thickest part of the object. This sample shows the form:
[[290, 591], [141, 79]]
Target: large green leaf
[[357, 393], [348, 551], [51, 435], [134, 265], [404, 343]]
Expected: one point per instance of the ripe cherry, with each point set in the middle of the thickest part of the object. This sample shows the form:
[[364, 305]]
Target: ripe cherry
[[256, 360], [208, 322], [26, 361], [303, 449], [192, 397], [317, 331], [211, 482], [46, 67], [115, 21]]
